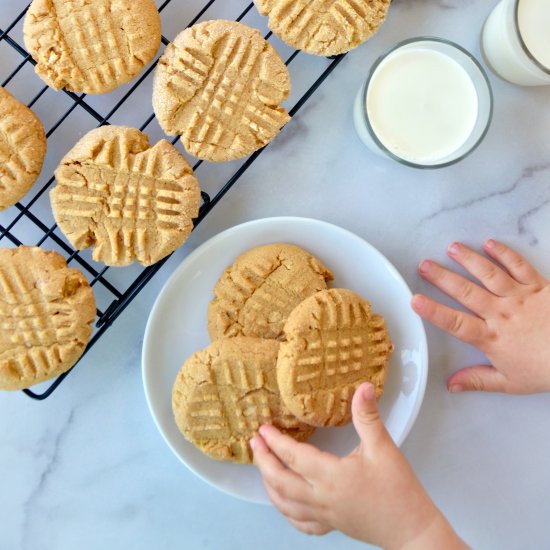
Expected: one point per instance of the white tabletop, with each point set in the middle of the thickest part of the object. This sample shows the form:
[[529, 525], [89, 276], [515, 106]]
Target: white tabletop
[[87, 468]]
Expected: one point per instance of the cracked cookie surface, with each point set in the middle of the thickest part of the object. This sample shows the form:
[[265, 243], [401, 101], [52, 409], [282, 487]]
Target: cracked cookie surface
[[91, 47], [324, 27], [224, 393], [126, 198], [255, 295], [22, 149], [219, 85], [334, 342], [46, 310]]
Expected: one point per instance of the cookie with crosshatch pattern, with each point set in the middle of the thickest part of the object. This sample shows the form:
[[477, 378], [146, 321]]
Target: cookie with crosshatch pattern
[[224, 393], [219, 85], [22, 149], [255, 295], [126, 198], [324, 27], [46, 310], [91, 47], [334, 343]]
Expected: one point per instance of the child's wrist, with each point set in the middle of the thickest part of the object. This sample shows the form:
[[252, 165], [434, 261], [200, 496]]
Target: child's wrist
[[437, 534]]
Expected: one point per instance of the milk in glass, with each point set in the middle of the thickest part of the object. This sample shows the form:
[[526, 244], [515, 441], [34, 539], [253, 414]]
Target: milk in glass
[[516, 41], [421, 104]]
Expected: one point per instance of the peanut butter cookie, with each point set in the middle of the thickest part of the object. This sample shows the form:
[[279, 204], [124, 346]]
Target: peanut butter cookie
[[256, 294], [219, 86], [22, 149], [91, 47], [324, 27], [46, 310], [126, 198], [225, 392], [334, 343]]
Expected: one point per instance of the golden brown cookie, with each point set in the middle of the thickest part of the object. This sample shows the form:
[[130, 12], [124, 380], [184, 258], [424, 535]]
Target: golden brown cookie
[[91, 47], [46, 310], [225, 392], [334, 343], [126, 198], [219, 85], [324, 27], [256, 294], [22, 149]]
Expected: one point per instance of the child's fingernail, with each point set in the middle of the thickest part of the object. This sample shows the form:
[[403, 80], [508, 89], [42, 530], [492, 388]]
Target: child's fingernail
[[425, 266], [253, 443], [263, 429], [419, 302], [368, 392], [454, 248], [456, 388], [490, 244]]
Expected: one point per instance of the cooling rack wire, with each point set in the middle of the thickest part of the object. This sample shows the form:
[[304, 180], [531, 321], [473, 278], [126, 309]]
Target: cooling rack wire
[[30, 221]]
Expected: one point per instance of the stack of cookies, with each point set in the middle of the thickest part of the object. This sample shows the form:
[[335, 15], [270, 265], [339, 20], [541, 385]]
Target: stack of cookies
[[286, 351]]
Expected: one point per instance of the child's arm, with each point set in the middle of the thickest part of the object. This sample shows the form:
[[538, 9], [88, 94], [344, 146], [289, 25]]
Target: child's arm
[[371, 494], [510, 319]]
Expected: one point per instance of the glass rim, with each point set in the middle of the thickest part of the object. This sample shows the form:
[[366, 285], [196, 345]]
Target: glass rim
[[375, 66], [522, 43]]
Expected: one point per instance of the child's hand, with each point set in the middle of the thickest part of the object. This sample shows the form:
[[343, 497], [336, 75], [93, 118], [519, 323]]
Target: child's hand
[[510, 321], [372, 494]]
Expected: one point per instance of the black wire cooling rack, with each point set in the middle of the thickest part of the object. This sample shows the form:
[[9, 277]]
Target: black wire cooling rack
[[120, 292]]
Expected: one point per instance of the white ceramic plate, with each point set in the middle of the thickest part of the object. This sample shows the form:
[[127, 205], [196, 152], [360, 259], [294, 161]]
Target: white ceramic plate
[[177, 327]]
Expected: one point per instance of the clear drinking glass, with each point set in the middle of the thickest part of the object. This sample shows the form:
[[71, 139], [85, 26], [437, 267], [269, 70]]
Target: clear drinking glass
[[428, 108], [512, 28]]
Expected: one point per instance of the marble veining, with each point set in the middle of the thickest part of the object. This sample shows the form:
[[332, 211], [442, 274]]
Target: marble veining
[[54, 448], [523, 219], [528, 173]]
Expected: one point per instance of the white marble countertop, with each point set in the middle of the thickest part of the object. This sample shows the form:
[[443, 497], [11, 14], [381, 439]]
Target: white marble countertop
[[87, 468]]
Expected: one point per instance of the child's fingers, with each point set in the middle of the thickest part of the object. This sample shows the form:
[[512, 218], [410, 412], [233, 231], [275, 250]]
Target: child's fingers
[[492, 276], [467, 328], [290, 508], [520, 269], [475, 298], [299, 457], [366, 418], [310, 527], [276, 477], [477, 378]]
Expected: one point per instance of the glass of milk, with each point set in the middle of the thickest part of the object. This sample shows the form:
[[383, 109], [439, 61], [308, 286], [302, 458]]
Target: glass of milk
[[426, 103], [516, 41]]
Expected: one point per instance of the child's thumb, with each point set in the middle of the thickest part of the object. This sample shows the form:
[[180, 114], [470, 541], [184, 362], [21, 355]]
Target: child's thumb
[[366, 419]]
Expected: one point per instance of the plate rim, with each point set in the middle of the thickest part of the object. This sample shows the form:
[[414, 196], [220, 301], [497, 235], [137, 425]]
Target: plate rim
[[212, 241]]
